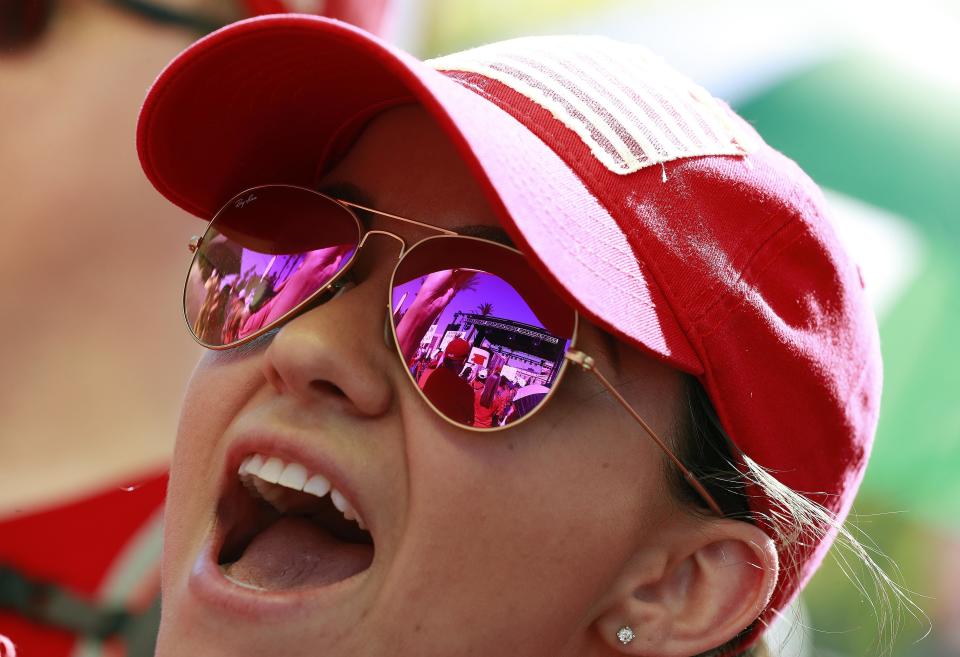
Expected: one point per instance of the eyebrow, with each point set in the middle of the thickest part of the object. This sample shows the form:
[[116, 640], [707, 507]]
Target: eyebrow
[[492, 233], [346, 191]]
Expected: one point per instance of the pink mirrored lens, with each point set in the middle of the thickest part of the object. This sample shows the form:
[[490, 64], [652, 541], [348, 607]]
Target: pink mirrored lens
[[485, 339], [265, 253]]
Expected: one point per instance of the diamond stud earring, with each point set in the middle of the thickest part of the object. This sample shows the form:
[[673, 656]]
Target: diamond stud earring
[[625, 634]]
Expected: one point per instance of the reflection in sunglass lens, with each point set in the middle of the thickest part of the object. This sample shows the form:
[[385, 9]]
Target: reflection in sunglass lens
[[265, 253], [482, 336]]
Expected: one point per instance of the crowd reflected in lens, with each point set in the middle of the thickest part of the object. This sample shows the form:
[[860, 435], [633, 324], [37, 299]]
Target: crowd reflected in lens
[[475, 347], [233, 292]]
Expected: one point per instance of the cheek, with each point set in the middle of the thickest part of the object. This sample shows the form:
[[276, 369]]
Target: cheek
[[509, 517], [219, 387]]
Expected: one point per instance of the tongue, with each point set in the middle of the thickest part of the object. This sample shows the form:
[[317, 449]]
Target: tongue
[[295, 552]]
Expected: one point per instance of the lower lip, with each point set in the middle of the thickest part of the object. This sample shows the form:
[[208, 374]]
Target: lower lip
[[213, 589]]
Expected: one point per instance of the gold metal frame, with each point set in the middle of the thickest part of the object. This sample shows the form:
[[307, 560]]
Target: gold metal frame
[[194, 247], [572, 355]]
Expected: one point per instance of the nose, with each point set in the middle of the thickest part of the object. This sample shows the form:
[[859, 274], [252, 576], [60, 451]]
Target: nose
[[336, 351]]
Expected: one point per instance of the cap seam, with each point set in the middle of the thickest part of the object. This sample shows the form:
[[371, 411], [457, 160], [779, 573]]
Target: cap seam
[[716, 312], [746, 251]]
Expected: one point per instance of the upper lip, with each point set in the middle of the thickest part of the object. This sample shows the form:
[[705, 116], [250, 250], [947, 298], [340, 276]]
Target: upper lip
[[316, 462]]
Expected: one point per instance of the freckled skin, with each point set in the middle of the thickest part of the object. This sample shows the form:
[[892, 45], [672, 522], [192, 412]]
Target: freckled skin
[[486, 544]]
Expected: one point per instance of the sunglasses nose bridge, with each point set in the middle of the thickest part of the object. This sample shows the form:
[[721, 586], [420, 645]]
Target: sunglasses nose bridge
[[385, 233], [403, 242]]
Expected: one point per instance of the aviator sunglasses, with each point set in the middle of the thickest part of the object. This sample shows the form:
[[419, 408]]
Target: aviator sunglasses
[[483, 339]]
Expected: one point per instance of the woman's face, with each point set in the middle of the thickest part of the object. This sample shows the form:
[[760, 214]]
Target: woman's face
[[484, 544]]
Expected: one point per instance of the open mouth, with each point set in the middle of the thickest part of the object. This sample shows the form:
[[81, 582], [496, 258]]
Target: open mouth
[[287, 528]]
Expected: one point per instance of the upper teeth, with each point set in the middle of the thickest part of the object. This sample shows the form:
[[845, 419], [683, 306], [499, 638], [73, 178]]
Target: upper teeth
[[257, 469]]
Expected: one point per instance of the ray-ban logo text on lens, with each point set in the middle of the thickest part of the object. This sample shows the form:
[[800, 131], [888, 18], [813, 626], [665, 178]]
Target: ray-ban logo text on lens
[[246, 200]]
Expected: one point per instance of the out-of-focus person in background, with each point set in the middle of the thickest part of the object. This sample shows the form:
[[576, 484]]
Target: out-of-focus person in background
[[93, 359]]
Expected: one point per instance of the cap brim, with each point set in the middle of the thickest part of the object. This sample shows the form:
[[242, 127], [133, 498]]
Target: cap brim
[[260, 101]]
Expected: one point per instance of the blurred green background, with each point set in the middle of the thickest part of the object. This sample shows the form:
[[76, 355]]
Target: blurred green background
[[866, 98]]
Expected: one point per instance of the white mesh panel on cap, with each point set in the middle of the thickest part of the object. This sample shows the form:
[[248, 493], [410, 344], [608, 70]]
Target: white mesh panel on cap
[[627, 105], [568, 229]]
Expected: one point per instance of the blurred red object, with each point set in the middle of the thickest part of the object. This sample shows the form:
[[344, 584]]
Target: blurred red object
[[370, 15], [101, 549]]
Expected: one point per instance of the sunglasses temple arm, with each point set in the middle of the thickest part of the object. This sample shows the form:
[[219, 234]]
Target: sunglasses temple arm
[[586, 362]]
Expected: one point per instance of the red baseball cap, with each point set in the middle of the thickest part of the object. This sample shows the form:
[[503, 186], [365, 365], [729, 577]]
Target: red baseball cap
[[457, 349], [655, 210]]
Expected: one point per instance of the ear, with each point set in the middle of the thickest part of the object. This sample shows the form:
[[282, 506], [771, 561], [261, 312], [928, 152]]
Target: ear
[[691, 592]]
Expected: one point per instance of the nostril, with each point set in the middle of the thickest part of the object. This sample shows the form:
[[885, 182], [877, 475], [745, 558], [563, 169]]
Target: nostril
[[327, 388]]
